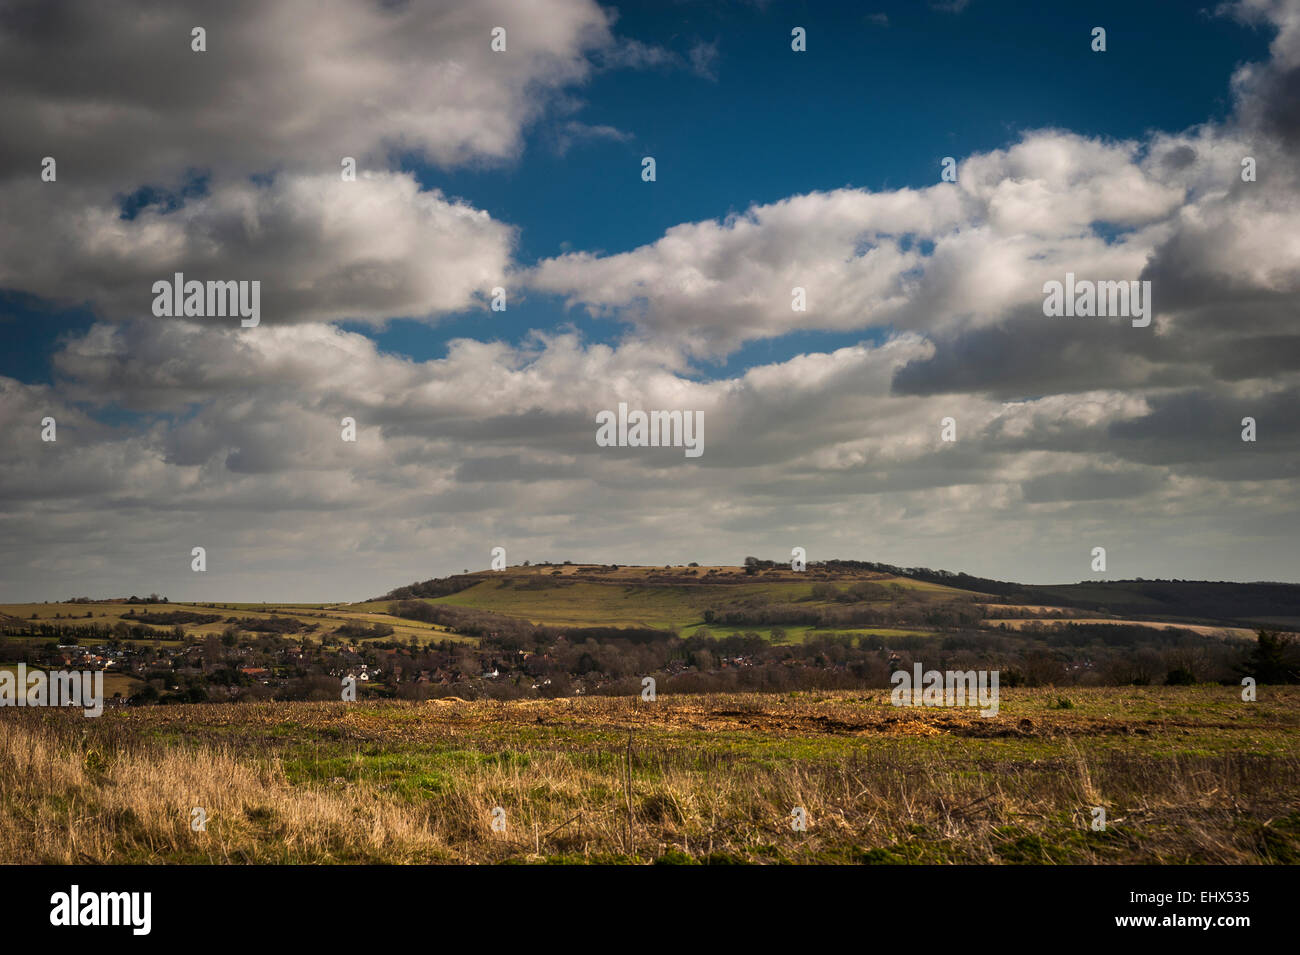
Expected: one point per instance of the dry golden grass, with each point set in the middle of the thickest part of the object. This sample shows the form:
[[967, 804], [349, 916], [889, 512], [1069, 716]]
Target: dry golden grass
[[1184, 777], [64, 799]]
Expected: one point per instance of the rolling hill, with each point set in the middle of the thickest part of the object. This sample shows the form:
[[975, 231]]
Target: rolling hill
[[838, 595]]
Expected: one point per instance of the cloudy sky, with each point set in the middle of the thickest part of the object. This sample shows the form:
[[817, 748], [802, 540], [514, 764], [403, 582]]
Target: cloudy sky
[[522, 169]]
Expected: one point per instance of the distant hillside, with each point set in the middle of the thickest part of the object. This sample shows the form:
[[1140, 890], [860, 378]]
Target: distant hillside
[[1212, 601], [682, 599], [678, 596]]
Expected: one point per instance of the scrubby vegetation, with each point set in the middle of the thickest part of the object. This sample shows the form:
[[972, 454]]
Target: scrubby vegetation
[[1186, 775]]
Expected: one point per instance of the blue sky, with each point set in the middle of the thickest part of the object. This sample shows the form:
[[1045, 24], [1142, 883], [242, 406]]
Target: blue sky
[[872, 105]]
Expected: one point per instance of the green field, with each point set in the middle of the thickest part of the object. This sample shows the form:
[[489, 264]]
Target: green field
[[115, 684]]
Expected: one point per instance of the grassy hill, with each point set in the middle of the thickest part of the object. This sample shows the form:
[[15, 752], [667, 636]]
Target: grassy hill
[[838, 597], [680, 599]]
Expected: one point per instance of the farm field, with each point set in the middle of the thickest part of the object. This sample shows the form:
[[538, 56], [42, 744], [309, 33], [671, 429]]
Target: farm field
[[326, 616], [798, 634], [115, 684], [1019, 623], [1185, 774]]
